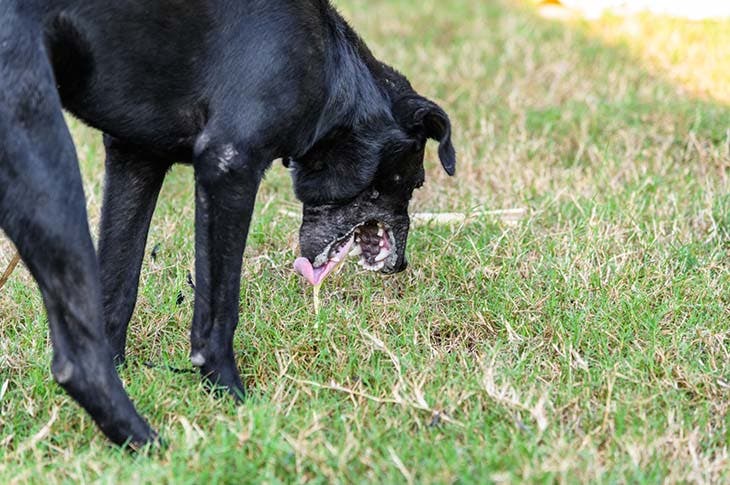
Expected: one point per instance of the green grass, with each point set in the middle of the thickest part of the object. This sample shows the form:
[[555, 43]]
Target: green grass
[[588, 342]]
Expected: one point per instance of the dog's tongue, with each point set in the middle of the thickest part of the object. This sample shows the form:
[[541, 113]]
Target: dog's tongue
[[315, 276], [305, 268]]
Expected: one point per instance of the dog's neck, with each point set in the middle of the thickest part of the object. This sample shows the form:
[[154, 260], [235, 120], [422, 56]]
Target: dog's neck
[[355, 96]]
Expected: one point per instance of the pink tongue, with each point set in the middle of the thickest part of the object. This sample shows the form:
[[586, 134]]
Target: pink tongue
[[315, 276], [305, 268]]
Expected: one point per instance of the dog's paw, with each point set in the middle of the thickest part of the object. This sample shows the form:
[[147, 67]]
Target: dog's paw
[[224, 380]]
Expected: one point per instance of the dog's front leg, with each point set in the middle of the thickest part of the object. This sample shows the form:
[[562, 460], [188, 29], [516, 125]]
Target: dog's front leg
[[226, 182], [133, 182]]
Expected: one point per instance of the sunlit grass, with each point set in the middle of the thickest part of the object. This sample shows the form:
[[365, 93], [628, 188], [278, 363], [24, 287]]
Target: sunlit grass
[[590, 341], [692, 54]]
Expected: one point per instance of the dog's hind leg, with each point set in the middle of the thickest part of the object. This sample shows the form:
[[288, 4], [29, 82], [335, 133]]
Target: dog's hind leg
[[133, 182], [42, 210]]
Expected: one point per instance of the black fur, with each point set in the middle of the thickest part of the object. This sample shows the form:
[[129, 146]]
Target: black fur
[[224, 85]]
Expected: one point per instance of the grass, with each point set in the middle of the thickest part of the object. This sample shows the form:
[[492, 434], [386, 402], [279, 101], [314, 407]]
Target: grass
[[588, 342]]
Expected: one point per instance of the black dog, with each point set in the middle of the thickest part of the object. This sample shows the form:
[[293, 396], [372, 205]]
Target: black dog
[[227, 86]]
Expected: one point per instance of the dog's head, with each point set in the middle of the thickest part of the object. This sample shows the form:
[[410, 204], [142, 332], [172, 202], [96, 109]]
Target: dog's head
[[356, 185]]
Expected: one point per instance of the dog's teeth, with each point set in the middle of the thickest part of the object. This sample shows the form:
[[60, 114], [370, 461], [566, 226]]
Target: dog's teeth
[[356, 250], [372, 267], [381, 232], [384, 253], [381, 243]]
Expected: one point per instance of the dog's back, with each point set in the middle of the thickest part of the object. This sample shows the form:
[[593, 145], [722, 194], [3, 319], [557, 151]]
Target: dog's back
[[147, 70]]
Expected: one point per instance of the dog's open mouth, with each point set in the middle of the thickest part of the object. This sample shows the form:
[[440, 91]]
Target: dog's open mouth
[[372, 241]]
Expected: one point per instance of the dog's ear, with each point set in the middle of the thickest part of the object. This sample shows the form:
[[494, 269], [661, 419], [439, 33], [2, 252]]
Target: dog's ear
[[418, 115]]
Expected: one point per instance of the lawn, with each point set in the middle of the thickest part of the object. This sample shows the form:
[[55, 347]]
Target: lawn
[[585, 339]]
